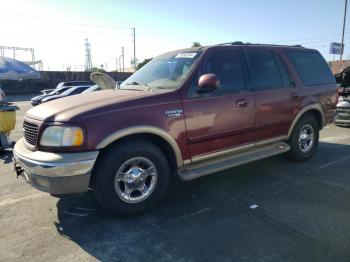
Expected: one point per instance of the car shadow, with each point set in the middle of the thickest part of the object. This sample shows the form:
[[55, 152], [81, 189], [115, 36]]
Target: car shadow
[[210, 218]]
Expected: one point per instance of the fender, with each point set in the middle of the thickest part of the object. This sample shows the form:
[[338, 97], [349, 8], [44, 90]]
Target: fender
[[302, 112], [144, 130]]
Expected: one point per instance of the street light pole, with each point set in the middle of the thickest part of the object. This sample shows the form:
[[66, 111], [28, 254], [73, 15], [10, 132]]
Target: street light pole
[[134, 48], [342, 37]]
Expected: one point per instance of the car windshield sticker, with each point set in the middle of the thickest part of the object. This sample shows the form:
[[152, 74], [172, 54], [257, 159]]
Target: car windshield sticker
[[186, 55]]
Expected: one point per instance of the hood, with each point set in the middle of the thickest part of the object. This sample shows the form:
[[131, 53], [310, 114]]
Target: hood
[[104, 81], [67, 108]]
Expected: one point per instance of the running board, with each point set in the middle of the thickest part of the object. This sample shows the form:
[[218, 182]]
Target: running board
[[204, 168]]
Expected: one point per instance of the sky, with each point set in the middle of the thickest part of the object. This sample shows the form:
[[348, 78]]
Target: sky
[[57, 29]]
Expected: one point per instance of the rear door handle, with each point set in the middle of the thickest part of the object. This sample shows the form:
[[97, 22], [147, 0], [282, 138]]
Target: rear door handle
[[242, 103], [293, 95]]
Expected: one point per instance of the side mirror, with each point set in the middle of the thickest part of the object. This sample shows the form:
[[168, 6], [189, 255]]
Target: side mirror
[[208, 83]]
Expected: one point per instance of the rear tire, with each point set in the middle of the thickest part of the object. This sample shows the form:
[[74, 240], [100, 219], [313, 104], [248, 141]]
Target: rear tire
[[304, 138], [131, 177]]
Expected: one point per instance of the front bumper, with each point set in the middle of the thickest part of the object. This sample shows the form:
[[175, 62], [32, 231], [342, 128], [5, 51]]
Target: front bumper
[[55, 173]]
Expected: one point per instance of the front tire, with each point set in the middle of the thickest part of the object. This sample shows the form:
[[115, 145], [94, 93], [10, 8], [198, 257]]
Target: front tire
[[131, 177], [304, 138]]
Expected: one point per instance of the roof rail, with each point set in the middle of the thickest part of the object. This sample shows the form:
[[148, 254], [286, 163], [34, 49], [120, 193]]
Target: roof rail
[[241, 43]]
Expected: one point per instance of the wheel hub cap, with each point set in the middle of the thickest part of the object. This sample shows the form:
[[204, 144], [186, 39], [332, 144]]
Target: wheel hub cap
[[135, 180], [306, 138]]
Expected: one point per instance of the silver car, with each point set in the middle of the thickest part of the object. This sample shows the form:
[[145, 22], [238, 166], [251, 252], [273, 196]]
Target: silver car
[[342, 117]]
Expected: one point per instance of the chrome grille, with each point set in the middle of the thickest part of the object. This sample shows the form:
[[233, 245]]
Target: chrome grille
[[30, 133]]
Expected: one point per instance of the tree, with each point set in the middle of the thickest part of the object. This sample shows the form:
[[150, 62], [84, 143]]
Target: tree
[[196, 44], [139, 65]]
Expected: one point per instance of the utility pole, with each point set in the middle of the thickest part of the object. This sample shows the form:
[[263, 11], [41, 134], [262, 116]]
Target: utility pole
[[88, 63], [123, 56], [134, 29], [342, 37]]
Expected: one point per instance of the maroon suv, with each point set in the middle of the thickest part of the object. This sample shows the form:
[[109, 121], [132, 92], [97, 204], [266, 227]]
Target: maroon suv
[[186, 114]]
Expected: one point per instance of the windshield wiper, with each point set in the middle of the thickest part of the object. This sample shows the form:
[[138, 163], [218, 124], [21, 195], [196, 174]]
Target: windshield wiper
[[139, 84]]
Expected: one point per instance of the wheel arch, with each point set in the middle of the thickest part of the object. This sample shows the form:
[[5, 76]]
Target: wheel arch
[[314, 109], [159, 137]]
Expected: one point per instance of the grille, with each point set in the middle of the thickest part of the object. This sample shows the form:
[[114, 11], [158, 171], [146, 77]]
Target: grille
[[30, 133]]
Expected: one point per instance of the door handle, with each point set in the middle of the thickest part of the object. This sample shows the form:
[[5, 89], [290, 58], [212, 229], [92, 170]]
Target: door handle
[[242, 103], [293, 95]]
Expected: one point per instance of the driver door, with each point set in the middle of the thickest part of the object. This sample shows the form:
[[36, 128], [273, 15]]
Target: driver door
[[224, 118]]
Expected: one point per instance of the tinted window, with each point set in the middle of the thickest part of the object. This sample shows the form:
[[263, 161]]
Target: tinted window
[[311, 67], [264, 69], [286, 76], [227, 65]]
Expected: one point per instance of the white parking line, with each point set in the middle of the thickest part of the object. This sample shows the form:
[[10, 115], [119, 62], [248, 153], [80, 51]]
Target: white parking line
[[11, 201], [330, 163]]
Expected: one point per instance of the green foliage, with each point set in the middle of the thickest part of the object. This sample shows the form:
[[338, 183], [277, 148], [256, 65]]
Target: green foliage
[[196, 44], [101, 70]]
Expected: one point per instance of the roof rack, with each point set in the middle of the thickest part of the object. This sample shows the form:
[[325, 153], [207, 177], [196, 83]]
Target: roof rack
[[241, 43]]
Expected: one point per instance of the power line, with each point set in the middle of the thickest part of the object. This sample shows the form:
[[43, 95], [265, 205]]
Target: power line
[[65, 22], [308, 38]]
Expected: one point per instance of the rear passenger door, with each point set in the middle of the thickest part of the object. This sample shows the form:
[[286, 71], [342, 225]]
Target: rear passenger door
[[276, 96]]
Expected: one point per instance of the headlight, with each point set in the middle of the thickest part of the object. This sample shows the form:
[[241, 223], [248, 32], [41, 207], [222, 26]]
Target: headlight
[[62, 136]]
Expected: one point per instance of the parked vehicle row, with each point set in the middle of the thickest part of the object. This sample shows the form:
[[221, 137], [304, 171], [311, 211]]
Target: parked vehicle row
[[62, 89], [187, 114], [99, 81], [68, 83]]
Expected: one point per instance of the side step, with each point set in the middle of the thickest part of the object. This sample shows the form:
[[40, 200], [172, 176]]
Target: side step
[[207, 167]]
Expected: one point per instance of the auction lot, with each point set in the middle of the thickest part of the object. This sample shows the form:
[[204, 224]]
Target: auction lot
[[270, 210]]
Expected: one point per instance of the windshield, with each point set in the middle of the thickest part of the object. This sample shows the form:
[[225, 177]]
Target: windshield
[[163, 72]]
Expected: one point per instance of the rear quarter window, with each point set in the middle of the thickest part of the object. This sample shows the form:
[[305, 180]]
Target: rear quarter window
[[311, 67]]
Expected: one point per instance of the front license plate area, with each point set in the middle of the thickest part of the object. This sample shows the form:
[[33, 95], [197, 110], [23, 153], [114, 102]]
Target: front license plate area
[[17, 167]]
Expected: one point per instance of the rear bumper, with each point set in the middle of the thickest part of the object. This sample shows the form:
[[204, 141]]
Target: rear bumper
[[55, 173]]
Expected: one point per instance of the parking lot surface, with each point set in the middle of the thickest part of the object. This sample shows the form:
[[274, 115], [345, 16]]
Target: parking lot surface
[[269, 210]]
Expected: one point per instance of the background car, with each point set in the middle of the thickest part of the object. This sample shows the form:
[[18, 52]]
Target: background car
[[71, 91], [2, 96], [92, 89], [37, 99], [342, 117], [68, 83]]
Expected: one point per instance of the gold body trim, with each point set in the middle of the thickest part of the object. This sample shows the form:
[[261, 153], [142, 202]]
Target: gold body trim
[[144, 130], [302, 112]]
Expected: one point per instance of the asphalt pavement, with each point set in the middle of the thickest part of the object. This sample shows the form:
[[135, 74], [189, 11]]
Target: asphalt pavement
[[269, 210]]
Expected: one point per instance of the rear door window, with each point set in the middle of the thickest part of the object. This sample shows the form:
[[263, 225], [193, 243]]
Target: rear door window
[[264, 69], [311, 67]]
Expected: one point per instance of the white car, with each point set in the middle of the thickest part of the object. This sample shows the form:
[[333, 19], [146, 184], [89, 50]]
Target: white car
[[2, 96]]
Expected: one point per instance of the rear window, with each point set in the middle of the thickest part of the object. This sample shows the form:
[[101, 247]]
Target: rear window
[[311, 67]]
